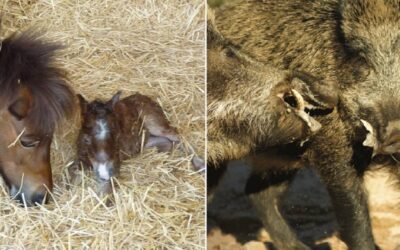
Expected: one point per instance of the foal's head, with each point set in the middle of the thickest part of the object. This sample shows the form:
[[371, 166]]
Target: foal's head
[[98, 138], [33, 98]]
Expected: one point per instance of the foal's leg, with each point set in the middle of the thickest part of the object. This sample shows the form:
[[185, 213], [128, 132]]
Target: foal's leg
[[74, 173], [265, 194], [163, 144], [154, 119], [104, 190], [162, 134]]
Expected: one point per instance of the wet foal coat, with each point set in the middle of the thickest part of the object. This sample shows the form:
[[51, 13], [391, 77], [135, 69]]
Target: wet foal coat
[[116, 130]]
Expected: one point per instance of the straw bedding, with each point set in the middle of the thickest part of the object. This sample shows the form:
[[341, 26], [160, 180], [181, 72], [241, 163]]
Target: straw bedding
[[155, 47]]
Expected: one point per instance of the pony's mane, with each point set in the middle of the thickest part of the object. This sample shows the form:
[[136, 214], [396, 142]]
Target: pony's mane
[[27, 60]]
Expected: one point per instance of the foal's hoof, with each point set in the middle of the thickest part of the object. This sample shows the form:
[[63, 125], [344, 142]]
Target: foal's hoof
[[74, 175], [105, 192], [198, 163], [104, 188], [109, 201]]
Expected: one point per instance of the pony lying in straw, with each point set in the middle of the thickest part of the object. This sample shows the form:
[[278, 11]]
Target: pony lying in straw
[[34, 97], [118, 129]]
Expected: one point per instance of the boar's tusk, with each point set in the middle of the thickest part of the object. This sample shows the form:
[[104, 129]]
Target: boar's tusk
[[299, 100], [313, 124]]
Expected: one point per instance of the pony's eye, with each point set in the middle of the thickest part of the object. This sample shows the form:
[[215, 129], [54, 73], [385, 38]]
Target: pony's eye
[[29, 143]]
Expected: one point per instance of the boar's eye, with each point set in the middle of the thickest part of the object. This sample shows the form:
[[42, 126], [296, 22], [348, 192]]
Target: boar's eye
[[290, 99], [229, 52]]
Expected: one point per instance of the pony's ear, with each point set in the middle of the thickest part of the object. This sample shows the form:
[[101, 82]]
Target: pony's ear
[[20, 108], [82, 103], [111, 103]]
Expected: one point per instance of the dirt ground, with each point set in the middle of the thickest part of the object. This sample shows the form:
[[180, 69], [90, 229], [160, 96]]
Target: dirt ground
[[306, 206]]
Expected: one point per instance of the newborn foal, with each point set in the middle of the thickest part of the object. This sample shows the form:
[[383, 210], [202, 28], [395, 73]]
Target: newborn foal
[[116, 130]]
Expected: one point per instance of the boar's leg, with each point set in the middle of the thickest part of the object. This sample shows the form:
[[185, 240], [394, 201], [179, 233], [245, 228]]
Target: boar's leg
[[331, 155], [265, 192], [350, 205], [215, 173]]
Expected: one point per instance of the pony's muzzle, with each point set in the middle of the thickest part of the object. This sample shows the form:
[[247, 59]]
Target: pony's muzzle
[[28, 198]]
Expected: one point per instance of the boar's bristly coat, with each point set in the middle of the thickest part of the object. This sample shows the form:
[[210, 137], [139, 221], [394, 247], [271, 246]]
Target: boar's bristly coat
[[353, 48]]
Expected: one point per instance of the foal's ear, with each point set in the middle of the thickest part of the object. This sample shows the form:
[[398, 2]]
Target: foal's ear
[[114, 99], [82, 103], [20, 108]]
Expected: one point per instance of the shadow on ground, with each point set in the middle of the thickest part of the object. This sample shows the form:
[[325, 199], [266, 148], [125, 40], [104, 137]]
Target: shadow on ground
[[306, 206]]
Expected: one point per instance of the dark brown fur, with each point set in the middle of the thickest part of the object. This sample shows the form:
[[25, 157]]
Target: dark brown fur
[[296, 35], [132, 123], [249, 104], [252, 114]]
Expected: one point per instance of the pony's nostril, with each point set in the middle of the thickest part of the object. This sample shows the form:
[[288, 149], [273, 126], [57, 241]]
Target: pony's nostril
[[39, 198], [19, 198]]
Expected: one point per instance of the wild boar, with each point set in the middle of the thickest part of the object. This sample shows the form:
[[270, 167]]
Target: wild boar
[[354, 47]]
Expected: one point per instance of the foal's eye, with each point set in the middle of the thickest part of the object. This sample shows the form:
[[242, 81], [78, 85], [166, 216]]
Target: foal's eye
[[29, 143], [86, 140]]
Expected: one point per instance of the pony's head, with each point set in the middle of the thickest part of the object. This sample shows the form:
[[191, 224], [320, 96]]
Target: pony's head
[[34, 97]]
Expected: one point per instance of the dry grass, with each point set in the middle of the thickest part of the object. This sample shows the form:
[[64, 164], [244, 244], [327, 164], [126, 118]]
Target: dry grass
[[152, 46]]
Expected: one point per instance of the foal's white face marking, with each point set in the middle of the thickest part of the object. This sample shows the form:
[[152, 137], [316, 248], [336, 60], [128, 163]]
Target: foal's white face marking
[[102, 166], [103, 171], [101, 129]]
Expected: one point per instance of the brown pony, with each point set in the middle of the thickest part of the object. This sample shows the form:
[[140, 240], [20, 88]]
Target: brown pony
[[117, 129], [34, 97]]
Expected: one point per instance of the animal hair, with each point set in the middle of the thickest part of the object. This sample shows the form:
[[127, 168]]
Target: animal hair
[[27, 60]]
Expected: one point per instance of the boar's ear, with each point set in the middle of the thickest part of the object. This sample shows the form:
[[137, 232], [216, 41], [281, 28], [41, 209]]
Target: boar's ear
[[304, 77], [111, 103], [323, 95], [213, 35], [354, 8], [350, 11], [370, 139], [82, 103], [391, 144]]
